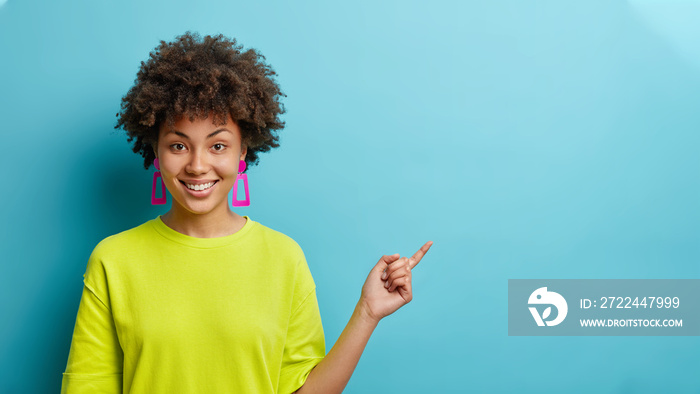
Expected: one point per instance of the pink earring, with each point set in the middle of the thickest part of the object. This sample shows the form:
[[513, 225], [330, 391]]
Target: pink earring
[[244, 177], [158, 200]]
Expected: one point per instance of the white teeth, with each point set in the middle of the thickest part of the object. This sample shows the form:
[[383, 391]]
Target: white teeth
[[203, 186]]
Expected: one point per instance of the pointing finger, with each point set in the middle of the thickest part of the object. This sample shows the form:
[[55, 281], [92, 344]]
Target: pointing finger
[[415, 259]]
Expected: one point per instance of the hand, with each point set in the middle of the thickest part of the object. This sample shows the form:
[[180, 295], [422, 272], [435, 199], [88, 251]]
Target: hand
[[388, 286]]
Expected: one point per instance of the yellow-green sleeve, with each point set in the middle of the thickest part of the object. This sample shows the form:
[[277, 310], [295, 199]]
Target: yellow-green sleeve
[[95, 360], [305, 345]]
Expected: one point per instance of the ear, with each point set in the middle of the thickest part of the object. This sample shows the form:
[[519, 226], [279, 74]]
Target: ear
[[244, 151]]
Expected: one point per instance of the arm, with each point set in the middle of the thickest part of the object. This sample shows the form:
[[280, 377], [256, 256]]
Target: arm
[[387, 288], [332, 374]]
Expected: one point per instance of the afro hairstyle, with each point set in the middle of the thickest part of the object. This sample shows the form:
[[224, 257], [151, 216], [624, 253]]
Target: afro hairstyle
[[197, 77]]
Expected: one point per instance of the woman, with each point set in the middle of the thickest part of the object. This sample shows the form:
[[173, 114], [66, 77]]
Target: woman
[[201, 299]]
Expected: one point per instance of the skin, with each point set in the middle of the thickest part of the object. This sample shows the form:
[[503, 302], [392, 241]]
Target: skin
[[201, 151]]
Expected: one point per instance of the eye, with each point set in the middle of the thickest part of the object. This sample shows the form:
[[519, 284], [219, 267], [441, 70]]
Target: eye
[[177, 146], [219, 147]]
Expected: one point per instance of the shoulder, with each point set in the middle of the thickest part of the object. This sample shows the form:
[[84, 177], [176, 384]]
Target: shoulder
[[124, 241], [291, 262], [277, 241], [100, 269]]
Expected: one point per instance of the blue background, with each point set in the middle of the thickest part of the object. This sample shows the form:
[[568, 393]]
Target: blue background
[[548, 139]]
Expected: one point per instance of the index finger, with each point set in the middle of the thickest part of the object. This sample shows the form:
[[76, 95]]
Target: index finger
[[415, 259]]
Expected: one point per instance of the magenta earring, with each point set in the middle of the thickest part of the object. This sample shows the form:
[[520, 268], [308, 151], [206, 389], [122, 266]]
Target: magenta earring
[[244, 177], [158, 200]]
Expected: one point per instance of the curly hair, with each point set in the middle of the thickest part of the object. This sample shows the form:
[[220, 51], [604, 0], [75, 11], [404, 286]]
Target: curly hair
[[197, 77]]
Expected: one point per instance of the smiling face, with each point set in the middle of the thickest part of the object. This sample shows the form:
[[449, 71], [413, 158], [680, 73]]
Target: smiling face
[[199, 163]]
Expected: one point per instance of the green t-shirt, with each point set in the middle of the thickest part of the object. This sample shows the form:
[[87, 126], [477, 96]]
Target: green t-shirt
[[163, 312]]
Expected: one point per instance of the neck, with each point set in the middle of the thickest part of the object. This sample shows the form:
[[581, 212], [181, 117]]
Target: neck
[[217, 223]]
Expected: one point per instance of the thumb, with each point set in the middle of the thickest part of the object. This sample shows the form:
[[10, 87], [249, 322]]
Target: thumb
[[384, 261]]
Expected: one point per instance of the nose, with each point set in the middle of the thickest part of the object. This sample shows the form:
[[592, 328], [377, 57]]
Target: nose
[[198, 163]]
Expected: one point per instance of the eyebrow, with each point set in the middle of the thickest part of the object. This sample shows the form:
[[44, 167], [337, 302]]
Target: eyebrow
[[181, 134]]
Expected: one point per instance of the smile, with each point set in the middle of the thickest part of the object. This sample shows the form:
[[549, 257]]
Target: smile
[[199, 187]]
